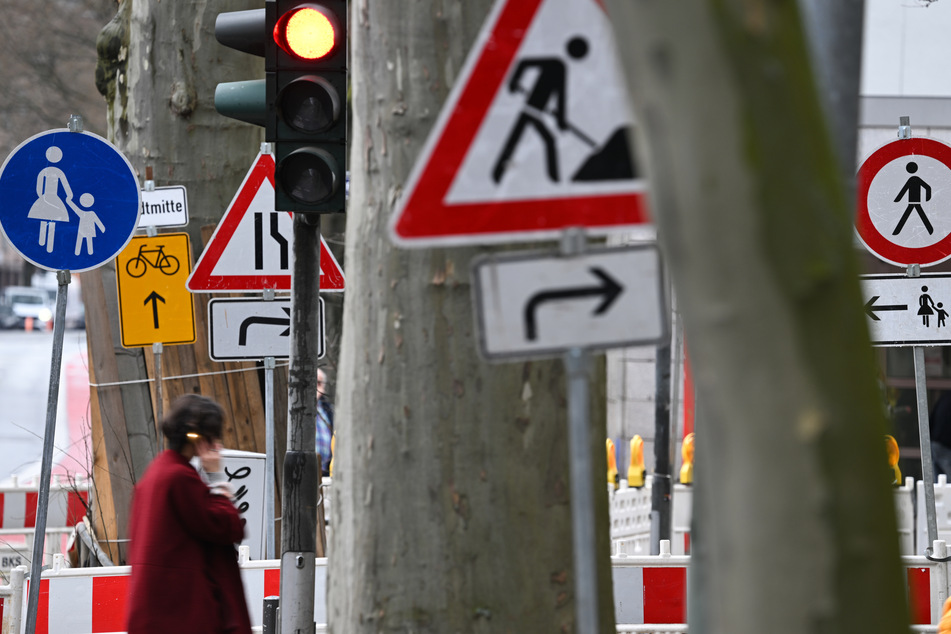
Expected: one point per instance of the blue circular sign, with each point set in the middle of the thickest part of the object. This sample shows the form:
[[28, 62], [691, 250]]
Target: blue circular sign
[[68, 200]]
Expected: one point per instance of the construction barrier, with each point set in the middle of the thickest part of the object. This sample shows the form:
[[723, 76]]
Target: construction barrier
[[67, 506], [650, 594], [93, 600], [630, 517]]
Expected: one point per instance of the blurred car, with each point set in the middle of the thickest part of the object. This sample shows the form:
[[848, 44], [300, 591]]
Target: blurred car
[[27, 303]]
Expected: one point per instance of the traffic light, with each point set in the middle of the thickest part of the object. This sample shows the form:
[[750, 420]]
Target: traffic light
[[310, 103], [248, 32]]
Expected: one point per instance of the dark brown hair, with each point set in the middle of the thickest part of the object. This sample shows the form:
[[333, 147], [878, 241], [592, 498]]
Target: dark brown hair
[[192, 413]]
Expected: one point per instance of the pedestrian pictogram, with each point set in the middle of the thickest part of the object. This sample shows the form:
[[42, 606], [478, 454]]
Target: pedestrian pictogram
[[70, 200], [252, 246], [904, 192], [534, 138], [154, 305], [914, 187], [905, 311]]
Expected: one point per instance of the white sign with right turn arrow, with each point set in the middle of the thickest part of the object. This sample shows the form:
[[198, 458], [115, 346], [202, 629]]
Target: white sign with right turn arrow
[[908, 311], [542, 304]]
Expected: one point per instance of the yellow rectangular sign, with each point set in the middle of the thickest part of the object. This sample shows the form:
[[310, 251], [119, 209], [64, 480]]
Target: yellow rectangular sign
[[154, 305]]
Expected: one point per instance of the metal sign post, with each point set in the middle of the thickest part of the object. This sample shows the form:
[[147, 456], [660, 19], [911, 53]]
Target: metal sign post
[[46, 470], [924, 434], [269, 454], [577, 362]]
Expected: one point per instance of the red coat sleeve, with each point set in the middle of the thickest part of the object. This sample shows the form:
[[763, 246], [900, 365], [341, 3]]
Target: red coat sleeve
[[204, 515]]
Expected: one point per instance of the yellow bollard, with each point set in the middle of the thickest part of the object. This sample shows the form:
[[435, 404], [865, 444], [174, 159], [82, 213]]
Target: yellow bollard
[[613, 478], [636, 471], [944, 625], [686, 452], [891, 448], [333, 454]]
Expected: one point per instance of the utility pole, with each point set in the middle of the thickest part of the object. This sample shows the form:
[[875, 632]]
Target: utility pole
[[301, 464]]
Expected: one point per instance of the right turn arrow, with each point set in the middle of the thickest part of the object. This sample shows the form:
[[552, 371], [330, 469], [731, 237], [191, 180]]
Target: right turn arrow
[[609, 290]]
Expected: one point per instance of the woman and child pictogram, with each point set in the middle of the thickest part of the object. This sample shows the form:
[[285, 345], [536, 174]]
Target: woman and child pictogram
[[927, 308], [50, 208]]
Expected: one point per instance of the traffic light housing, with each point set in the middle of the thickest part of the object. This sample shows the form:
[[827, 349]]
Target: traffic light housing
[[310, 104], [248, 32]]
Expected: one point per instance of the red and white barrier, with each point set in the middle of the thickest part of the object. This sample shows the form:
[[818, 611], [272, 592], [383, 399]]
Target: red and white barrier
[[630, 510], [650, 594], [650, 590], [93, 600], [67, 505]]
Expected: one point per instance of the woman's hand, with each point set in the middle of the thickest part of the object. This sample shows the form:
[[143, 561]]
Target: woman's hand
[[209, 452]]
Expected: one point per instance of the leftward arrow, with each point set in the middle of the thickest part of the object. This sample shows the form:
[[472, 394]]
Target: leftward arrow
[[155, 298], [270, 321], [870, 307], [609, 290]]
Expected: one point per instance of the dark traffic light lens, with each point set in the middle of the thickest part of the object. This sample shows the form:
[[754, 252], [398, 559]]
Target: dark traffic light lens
[[309, 175], [309, 104]]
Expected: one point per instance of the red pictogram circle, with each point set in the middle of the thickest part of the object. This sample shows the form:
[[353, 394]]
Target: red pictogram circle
[[881, 222]]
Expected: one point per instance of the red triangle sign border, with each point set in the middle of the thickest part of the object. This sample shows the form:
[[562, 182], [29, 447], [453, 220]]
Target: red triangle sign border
[[203, 279], [424, 218]]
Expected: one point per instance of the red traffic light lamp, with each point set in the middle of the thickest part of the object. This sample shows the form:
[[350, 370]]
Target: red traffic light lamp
[[308, 32]]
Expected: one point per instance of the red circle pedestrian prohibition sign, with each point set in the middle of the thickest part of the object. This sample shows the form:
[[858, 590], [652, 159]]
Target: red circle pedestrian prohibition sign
[[904, 202]]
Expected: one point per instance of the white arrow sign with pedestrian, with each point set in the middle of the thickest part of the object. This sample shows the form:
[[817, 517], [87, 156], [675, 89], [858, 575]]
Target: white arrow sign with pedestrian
[[539, 304], [907, 311]]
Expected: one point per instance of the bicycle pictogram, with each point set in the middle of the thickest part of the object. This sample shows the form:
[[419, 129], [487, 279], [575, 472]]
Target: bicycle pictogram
[[167, 264]]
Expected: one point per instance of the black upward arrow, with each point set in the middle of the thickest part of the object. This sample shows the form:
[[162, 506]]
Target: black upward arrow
[[608, 289], [272, 321], [155, 298], [870, 307]]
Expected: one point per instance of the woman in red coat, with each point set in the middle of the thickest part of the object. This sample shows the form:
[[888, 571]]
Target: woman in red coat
[[185, 576]]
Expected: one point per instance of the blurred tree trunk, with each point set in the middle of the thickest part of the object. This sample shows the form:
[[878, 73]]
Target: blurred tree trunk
[[158, 65], [794, 527], [451, 478]]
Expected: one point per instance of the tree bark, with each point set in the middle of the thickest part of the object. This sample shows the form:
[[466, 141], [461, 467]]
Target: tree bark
[[451, 477], [794, 527], [158, 66]]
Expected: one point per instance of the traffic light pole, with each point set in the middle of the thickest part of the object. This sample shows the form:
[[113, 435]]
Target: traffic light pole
[[301, 464]]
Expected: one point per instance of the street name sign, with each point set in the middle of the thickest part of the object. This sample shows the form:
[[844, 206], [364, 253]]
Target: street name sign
[[904, 194], [247, 329], [539, 304], [908, 311], [164, 207], [70, 200], [252, 247], [154, 305], [534, 138]]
